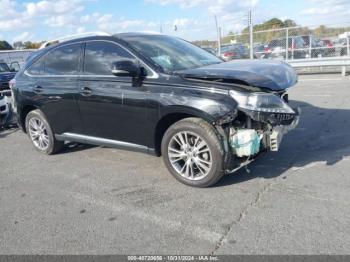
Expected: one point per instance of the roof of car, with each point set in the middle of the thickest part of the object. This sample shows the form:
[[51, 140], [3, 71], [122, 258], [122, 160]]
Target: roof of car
[[138, 33], [90, 36]]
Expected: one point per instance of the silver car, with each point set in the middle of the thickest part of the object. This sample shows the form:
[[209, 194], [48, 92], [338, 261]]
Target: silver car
[[5, 110]]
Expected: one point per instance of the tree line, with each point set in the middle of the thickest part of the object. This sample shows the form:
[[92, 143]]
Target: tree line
[[321, 31], [4, 45], [242, 37]]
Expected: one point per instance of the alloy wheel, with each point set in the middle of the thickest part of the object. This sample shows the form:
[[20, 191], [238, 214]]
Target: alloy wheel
[[190, 155], [38, 133]]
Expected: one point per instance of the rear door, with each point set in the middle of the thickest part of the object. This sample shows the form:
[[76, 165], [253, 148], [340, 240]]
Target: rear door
[[111, 107], [54, 87]]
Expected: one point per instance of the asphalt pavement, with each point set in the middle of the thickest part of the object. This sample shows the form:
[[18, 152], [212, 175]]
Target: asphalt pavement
[[93, 200]]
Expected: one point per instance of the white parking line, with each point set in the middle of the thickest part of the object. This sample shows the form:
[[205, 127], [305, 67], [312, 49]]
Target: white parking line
[[321, 79], [195, 231], [321, 95], [311, 165]]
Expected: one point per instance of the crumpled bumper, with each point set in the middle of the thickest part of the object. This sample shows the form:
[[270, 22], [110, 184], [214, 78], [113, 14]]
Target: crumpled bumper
[[275, 137], [270, 140]]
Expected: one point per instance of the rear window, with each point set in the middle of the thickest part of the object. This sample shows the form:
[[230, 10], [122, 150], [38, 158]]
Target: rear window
[[226, 48], [279, 42], [298, 42]]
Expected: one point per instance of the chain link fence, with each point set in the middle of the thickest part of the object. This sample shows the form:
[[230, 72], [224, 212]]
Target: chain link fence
[[15, 56], [302, 42]]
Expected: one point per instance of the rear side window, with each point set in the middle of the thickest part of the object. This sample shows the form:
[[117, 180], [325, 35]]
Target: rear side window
[[63, 60], [38, 67], [100, 56]]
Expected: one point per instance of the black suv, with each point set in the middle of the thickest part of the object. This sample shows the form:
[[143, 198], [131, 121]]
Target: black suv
[[157, 94], [276, 48]]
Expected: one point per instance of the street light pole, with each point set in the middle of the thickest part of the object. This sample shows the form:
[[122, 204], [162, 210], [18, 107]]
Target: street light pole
[[218, 32], [250, 24]]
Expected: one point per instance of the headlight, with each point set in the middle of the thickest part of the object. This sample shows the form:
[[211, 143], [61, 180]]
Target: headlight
[[262, 102]]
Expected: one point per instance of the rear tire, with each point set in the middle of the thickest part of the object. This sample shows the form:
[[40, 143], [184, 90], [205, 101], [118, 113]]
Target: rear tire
[[193, 153], [40, 133]]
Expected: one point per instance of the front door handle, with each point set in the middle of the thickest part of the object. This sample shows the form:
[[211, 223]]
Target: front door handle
[[85, 91], [37, 89]]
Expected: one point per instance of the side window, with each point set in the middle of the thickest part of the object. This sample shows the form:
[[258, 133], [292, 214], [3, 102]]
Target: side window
[[37, 68], [63, 60], [100, 56]]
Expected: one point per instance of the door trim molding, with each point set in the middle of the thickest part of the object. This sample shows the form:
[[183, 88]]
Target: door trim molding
[[104, 142]]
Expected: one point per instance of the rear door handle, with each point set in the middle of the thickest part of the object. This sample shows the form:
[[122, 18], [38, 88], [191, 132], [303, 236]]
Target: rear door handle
[[37, 89], [85, 91]]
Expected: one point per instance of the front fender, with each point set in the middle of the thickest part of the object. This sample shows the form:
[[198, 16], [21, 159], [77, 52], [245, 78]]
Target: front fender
[[214, 108]]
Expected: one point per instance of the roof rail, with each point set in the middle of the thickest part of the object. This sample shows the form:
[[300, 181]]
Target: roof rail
[[71, 37]]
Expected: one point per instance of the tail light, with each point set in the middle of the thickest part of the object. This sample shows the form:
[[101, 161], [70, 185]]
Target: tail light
[[228, 54], [293, 46], [267, 50]]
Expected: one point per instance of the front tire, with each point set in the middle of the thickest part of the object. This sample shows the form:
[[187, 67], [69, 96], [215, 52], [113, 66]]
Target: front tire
[[193, 153], [40, 133]]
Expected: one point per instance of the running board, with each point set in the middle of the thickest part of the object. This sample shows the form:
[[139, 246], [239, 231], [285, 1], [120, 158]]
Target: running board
[[104, 142]]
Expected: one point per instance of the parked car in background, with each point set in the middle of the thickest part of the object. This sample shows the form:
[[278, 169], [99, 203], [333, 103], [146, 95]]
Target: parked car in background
[[328, 47], [5, 109], [6, 74], [276, 48], [156, 94], [308, 38], [234, 51], [313, 45], [343, 42], [259, 50], [210, 50]]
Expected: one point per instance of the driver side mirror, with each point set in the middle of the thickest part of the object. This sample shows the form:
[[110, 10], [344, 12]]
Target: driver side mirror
[[126, 68]]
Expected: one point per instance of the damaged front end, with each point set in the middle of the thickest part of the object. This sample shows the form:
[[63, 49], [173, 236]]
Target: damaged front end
[[262, 120], [263, 113]]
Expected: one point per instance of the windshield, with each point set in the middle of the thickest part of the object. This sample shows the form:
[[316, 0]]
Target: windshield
[[171, 53], [4, 68]]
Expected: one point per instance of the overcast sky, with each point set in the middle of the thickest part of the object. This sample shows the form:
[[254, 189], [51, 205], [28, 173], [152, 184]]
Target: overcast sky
[[22, 20]]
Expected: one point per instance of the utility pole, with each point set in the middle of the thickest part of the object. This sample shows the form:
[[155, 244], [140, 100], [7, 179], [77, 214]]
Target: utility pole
[[218, 31], [250, 24]]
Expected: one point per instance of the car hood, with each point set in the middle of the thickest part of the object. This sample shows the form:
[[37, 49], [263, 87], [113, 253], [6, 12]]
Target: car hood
[[266, 74], [6, 76]]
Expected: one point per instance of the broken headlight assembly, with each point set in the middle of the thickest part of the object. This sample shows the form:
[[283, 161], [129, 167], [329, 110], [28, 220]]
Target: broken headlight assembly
[[261, 102]]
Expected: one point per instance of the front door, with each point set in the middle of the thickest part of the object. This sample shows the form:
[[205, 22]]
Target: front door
[[111, 107]]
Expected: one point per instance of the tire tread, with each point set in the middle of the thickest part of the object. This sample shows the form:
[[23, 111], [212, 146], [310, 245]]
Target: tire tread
[[215, 140]]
